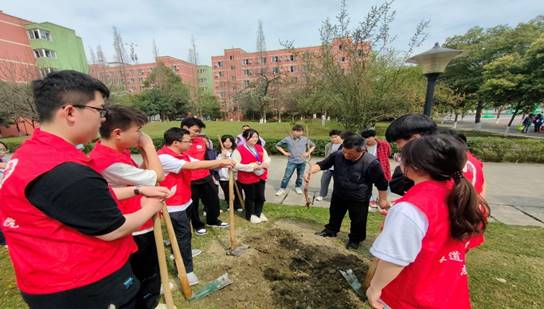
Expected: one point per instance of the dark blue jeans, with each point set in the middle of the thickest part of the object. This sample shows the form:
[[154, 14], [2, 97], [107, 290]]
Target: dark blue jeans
[[182, 229], [289, 170]]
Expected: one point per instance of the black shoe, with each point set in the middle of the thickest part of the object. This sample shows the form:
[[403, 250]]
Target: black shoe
[[326, 233], [352, 245], [219, 224]]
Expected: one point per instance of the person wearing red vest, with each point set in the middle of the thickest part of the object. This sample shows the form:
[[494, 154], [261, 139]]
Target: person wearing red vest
[[423, 245], [252, 163], [68, 241], [203, 186], [111, 158], [178, 168]]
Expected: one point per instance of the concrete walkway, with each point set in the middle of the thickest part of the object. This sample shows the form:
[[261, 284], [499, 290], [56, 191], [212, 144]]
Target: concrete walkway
[[515, 191]]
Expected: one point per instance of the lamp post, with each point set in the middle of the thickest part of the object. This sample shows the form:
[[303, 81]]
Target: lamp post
[[434, 62]]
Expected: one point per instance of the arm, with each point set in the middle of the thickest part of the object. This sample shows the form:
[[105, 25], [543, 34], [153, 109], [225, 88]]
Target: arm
[[385, 273], [209, 164], [123, 193], [313, 169], [399, 183], [239, 166], [3, 164], [280, 149], [149, 155], [376, 175]]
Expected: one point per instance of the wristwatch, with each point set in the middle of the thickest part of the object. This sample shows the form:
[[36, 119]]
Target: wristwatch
[[137, 190]]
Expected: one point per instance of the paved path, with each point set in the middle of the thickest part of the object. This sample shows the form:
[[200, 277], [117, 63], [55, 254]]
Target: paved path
[[490, 125]]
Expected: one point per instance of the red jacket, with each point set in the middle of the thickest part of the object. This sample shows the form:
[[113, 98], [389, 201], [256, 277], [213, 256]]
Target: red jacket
[[247, 158], [383, 152], [102, 158], [179, 183], [438, 276], [198, 151], [48, 256]]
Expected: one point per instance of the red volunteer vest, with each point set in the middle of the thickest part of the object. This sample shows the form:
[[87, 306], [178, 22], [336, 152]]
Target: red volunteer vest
[[102, 158], [179, 183], [198, 151], [438, 276], [247, 158], [474, 172], [48, 256]]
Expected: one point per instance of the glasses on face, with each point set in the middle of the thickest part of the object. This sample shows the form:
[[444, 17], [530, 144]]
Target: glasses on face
[[188, 141], [101, 111]]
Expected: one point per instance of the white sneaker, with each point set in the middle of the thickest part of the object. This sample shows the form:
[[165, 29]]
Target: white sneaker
[[171, 284], [239, 209], [319, 198], [254, 219], [298, 190], [204, 213], [201, 232], [195, 252], [280, 192], [193, 279], [263, 218]]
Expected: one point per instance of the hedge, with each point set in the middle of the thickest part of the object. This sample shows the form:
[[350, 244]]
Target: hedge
[[490, 149]]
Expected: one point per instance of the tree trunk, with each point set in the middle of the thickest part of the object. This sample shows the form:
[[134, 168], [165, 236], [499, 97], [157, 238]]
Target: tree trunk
[[455, 120], [479, 108], [499, 115], [516, 110]]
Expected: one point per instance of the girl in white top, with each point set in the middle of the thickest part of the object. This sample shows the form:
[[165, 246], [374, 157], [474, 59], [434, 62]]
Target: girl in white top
[[228, 145]]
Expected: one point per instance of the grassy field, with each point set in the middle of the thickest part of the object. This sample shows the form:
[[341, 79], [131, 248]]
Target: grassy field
[[506, 272]]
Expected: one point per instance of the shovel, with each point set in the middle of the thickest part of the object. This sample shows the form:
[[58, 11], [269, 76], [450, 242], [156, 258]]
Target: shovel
[[212, 287], [353, 282]]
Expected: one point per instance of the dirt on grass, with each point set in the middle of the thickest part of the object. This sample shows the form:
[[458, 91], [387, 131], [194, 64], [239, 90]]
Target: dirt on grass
[[287, 266]]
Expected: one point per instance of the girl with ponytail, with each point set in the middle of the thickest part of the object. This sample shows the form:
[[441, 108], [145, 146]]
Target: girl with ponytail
[[422, 247]]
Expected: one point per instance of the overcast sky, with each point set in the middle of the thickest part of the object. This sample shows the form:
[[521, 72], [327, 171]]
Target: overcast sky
[[221, 24]]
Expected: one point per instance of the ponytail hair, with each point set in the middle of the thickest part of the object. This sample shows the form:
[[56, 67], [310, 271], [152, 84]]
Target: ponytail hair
[[443, 157]]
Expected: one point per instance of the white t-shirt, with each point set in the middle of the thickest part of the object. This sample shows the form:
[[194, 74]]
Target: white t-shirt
[[403, 232], [174, 165], [372, 149]]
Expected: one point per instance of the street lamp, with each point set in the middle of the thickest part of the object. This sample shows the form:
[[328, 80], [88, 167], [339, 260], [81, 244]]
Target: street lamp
[[434, 62]]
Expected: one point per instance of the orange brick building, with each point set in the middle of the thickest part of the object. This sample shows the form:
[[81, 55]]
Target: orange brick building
[[17, 61], [133, 75]]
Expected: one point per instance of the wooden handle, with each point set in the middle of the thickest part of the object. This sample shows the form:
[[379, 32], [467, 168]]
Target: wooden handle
[[159, 243], [240, 196], [182, 273], [232, 233]]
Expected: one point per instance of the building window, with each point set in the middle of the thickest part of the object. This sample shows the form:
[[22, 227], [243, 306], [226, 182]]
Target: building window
[[247, 72], [343, 59], [245, 61], [175, 68], [340, 47], [45, 53], [221, 74], [231, 57], [292, 69], [263, 60], [233, 67], [292, 57], [246, 83], [220, 64], [276, 70], [45, 71], [275, 59], [233, 77], [39, 34]]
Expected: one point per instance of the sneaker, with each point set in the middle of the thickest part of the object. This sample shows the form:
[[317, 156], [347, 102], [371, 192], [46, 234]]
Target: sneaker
[[171, 284], [319, 198], [204, 213], [193, 279], [239, 209], [352, 245], [254, 219], [280, 192], [201, 231], [195, 252], [263, 218], [171, 257], [326, 233], [219, 224], [298, 190]]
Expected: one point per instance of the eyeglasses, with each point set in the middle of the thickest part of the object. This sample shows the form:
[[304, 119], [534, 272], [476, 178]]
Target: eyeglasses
[[101, 111], [188, 142]]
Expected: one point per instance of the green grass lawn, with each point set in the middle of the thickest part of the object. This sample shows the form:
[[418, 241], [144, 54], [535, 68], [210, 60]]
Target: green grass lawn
[[506, 272]]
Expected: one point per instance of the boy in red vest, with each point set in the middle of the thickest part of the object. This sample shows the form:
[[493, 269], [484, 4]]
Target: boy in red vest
[[68, 241], [111, 158], [178, 168], [203, 186]]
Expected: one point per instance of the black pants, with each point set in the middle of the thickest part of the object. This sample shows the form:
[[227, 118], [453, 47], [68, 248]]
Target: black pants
[[182, 229], [254, 194], [358, 213], [2, 238], [118, 289], [145, 266], [225, 187], [207, 192]]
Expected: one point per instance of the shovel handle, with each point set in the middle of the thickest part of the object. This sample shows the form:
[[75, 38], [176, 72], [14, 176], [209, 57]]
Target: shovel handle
[[161, 254], [232, 232]]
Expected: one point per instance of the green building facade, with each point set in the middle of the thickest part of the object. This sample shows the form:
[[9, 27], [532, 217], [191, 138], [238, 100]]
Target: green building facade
[[56, 48], [205, 80]]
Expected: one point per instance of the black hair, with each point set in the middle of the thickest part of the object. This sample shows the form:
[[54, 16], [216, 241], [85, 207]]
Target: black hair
[[368, 133], [174, 134], [297, 127], [443, 158], [191, 121], [246, 125], [228, 137], [247, 134], [64, 87], [344, 135], [458, 135], [121, 117], [334, 132], [6, 146], [408, 125], [354, 141]]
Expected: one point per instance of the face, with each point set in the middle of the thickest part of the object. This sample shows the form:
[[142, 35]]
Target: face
[[3, 150], [227, 143], [352, 154], [84, 122], [184, 144], [129, 137], [298, 133], [371, 141], [401, 142], [194, 130], [335, 139], [253, 139]]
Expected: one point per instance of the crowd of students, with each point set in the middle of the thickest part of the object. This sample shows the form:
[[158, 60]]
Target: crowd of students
[[79, 226]]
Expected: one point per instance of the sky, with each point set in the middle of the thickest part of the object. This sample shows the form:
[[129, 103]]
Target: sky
[[217, 25]]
